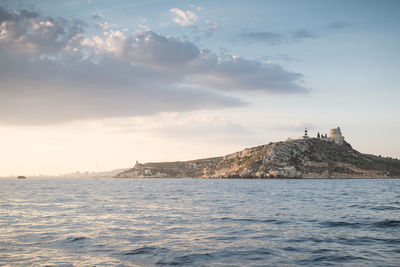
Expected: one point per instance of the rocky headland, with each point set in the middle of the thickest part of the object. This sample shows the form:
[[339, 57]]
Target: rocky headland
[[298, 158]]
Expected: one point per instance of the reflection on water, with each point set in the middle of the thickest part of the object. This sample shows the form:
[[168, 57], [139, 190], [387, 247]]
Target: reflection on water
[[134, 222]]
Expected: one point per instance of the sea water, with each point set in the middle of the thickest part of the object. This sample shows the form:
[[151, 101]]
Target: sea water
[[199, 222]]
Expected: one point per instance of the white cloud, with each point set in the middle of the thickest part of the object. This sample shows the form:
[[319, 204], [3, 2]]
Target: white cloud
[[183, 18], [105, 25], [144, 27]]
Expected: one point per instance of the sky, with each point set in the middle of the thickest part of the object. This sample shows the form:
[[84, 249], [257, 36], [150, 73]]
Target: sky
[[96, 85]]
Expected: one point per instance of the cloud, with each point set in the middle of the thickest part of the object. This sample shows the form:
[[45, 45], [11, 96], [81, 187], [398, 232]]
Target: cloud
[[192, 125], [183, 18], [51, 71], [201, 124], [210, 28], [303, 34], [25, 32], [205, 30], [338, 25], [49, 92], [105, 25], [144, 27], [189, 19], [96, 16], [279, 57], [277, 39], [233, 73], [267, 37]]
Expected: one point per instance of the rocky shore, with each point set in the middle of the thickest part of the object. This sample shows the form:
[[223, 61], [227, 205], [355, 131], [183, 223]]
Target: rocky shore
[[299, 158]]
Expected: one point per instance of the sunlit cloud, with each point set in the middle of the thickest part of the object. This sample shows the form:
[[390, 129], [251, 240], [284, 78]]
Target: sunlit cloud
[[184, 18], [105, 25]]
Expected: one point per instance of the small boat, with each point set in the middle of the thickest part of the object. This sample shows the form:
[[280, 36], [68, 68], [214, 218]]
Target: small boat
[[21, 177]]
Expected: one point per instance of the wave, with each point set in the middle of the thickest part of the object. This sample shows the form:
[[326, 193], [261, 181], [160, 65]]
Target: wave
[[187, 259], [335, 258], [76, 239], [386, 224], [254, 220], [340, 224], [377, 224], [356, 241], [145, 250], [192, 258], [385, 208]]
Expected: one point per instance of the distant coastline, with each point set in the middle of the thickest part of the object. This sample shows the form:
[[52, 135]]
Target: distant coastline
[[308, 157]]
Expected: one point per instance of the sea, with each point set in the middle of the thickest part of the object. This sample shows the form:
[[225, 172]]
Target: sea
[[199, 222]]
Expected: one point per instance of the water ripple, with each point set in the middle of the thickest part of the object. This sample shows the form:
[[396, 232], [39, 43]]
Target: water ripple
[[76, 239], [387, 224], [330, 224], [145, 250], [194, 222], [336, 258], [254, 220]]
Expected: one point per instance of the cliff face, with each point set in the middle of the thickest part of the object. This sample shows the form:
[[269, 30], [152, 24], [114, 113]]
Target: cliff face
[[302, 158]]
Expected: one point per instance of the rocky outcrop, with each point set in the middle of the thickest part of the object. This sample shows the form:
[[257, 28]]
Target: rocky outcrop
[[300, 158]]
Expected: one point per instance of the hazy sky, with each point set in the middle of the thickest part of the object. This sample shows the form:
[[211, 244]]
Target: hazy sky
[[106, 83]]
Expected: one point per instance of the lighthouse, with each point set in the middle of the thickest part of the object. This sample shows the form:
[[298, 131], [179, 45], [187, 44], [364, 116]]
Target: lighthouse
[[305, 136]]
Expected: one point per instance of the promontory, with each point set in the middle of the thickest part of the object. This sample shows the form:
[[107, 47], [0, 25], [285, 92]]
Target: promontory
[[305, 157]]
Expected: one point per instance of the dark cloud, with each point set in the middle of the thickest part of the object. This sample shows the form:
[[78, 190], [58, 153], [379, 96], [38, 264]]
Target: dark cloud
[[51, 71], [50, 92], [150, 48], [276, 39], [231, 73], [6, 15]]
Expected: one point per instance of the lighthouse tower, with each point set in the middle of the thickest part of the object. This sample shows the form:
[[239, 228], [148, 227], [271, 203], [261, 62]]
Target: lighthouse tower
[[305, 136]]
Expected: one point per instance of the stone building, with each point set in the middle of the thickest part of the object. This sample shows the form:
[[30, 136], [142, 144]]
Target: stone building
[[335, 135]]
